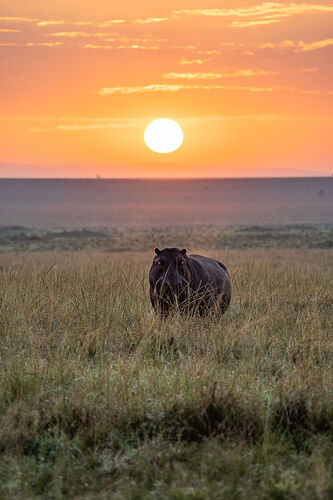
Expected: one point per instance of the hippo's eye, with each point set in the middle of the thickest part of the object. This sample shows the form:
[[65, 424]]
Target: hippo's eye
[[159, 262]]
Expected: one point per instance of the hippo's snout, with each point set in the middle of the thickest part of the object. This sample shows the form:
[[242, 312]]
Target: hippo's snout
[[167, 287]]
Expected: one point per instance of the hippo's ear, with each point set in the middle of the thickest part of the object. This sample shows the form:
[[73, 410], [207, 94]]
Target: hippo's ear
[[183, 251], [157, 251]]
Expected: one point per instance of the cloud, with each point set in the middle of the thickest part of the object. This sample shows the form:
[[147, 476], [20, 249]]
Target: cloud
[[31, 44], [79, 34], [253, 72], [51, 22], [59, 22], [264, 9], [186, 62], [308, 70], [211, 52], [192, 76], [111, 22], [126, 43], [312, 92], [43, 44], [245, 24], [104, 24], [281, 45], [299, 46], [131, 46], [18, 19], [264, 13], [321, 44], [177, 87], [216, 76], [99, 124], [140, 89], [4, 30], [150, 20], [69, 124]]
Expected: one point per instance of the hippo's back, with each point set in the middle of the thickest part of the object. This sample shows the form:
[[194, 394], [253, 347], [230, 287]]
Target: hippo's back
[[212, 275], [210, 264]]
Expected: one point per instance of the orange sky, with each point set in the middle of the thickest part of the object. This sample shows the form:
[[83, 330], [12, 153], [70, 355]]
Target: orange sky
[[250, 83]]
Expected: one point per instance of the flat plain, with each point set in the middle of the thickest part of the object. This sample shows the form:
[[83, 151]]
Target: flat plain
[[101, 398]]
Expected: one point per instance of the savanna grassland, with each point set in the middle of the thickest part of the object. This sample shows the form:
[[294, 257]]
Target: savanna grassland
[[102, 399]]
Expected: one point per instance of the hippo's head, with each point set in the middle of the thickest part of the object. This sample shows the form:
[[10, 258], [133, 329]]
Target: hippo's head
[[169, 273]]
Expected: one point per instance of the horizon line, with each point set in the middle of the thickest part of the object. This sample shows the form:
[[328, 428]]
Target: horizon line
[[101, 178]]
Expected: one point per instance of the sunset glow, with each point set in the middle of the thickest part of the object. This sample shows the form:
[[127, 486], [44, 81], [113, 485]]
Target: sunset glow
[[248, 82]]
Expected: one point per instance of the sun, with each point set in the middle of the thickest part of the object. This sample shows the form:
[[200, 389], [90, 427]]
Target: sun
[[163, 135]]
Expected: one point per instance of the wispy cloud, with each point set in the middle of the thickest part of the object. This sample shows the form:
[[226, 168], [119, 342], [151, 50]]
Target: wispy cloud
[[246, 24], [105, 24], [281, 45], [18, 19], [177, 87], [264, 13], [51, 22], [210, 52], [140, 89], [189, 62], [43, 44], [253, 72], [80, 34], [100, 123], [192, 76], [263, 9], [31, 44], [59, 22], [311, 92], [150, 20], [216, 76], [97, 46], [321, 44], [122, 46], [298, 46], [4, 30], [69, 124]]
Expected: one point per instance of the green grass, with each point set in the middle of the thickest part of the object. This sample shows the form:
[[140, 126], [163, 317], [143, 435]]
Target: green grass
[[100, 398]]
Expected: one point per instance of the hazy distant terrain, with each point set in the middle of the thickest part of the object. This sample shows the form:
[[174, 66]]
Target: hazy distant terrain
[[118, 203], [17, 238]]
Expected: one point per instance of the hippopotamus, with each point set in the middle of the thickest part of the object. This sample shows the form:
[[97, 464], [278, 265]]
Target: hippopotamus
[[191, 283]]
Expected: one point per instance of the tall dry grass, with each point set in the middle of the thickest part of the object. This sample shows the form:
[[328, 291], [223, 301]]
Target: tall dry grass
[[100, 396]]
